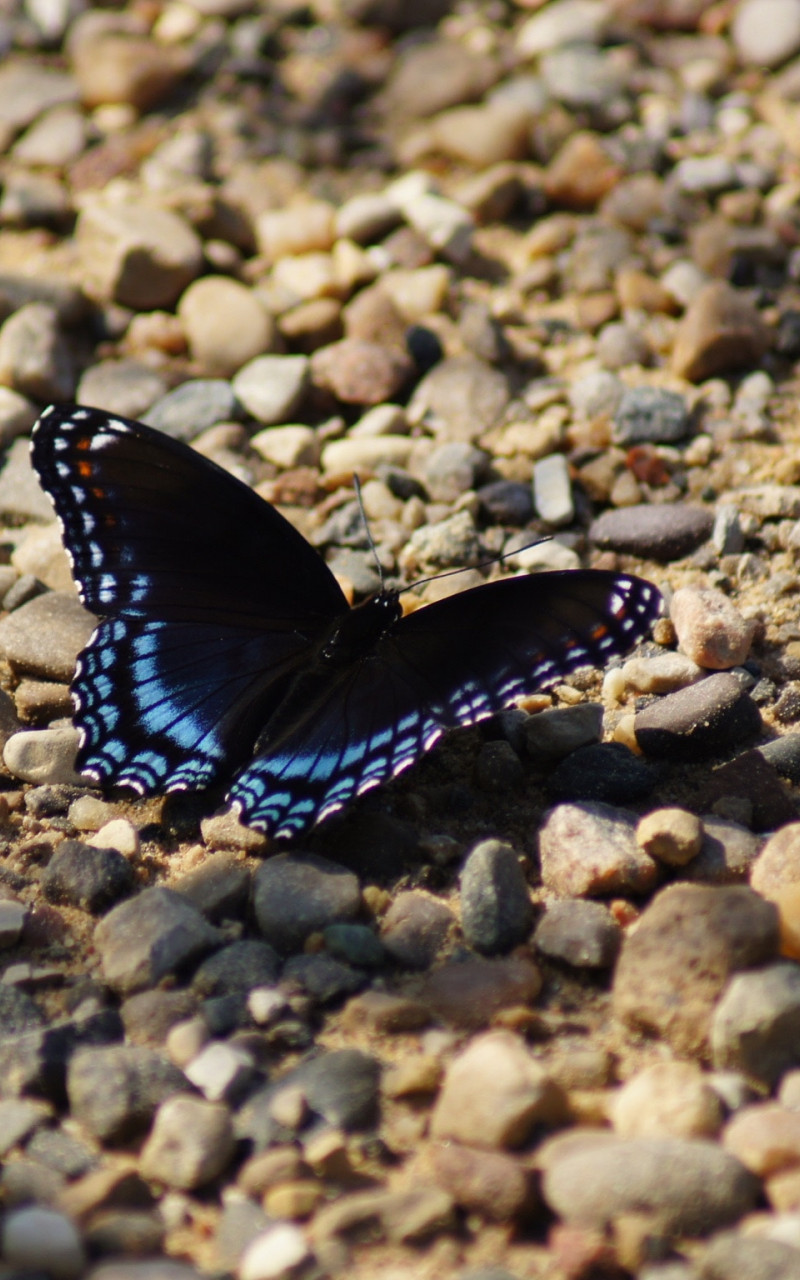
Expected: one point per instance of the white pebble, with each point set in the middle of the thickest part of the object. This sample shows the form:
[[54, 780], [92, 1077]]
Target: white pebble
[[273, 1253]]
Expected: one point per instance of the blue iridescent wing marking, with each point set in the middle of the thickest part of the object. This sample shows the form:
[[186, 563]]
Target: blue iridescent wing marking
[[210, 600], [449, 664], [227, 653]]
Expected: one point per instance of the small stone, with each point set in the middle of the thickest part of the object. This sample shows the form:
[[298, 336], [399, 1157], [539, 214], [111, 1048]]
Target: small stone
[[114, 1090], [301, 228], [451, 469], [496, 910], [237, 968], [193, 407], [667, 1100], [766, 32], [140, 256], [695, 722], [673, 836], [297, 895], [494, 1093], [732, 1254], [552, 490], [619, 345], [12, 919], [43, 756], [470, 993], [113, 64], [87, 877], [45, 636], [360, 372], [691, 1186], [564, 22], [720, 333], [35, 359], [581, 173], [221, 1071], [653, 532], [274, 1253], [271, 387], [226, 324], [415, 928], [710, 629], [286, 447], [652, 415], [491, 1183], [558, 731], [775, 868], [191, 1142], [150, 937], [481, 136], [765, 1137], [460, 399], [755, 1024], [583, 934], [126, 387], [366, 452], [673, 969], [590, 848], [41, 1240], [384, 1012]]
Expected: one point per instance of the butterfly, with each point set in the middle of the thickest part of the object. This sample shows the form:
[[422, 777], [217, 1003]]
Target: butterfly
[[226, 652]]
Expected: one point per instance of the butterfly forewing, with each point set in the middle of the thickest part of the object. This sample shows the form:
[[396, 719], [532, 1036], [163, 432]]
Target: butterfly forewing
[[227, 652]]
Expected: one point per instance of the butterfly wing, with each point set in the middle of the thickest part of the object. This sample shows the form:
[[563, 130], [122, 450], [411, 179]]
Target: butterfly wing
[[211, 599], [449, 664]]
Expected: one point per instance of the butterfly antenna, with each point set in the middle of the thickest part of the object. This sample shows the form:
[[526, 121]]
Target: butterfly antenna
[[372, 547], [482, 564]]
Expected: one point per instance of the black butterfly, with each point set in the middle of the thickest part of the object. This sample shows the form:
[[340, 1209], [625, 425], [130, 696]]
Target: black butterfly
[[228, 651]]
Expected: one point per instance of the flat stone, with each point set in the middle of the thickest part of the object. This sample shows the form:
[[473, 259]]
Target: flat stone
[[140, 256], [697, 721], [653, 532], [296, 895], [45, 636], [190, 1144], [114, 1090], [721, 332], [272, 387], [590, 848], [150, 937]]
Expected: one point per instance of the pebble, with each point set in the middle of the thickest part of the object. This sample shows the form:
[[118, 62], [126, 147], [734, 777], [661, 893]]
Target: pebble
[[87, 877], [341, 1086], [139, 256], [766, 32], [731, 1254], [552, 490], [40, 1240], [43, 756], [557, 731], [755, 1024], [12, 919], [590, 848], [775, 868], [271, 387], [218, 887], [605, 771], [238, 967], [721, 332], [673, 836], [366, 452], [710, 629], [114, 1090], [494, 1093], [355, 944], [274, 1253], [506, 502], [383, 1011], [19, 1118], [451, 469], [749, 780], [286, 447], [191, 1143], [452, 543], [691, 1187], [491, 1183], [582, 172], [303, 228], [496, 909], [45, 636], [673, 969], [193, 407], [698, 721], [561, 23], [151, 937], [297, 895], [120, 65], [765, 1137], [360, 372], [619, 344], [668, 1100], [226, 325], [322, 977], [222, 1072], [470, 993], [661, 533], [415, 928], [121, 386], [35, 359], [582, 934], [460, 399], [651, 415]]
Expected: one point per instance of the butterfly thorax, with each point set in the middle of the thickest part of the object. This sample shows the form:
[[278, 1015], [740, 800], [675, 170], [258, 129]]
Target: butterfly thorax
[[356, 632]]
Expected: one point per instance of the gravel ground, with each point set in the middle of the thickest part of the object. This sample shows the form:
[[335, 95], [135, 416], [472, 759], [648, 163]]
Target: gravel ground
[[532, 1011]]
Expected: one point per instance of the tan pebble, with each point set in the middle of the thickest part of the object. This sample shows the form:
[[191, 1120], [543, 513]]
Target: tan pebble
[[126, 69], [777, 867], [293, 1200], [721, 332], [419, 1073], [765, 1137], [185, 1040], [269, 1168], [306, 276], [385, 1012], [787, 900], [667, 1099], [471, 993], [710, 629], [674, 836], [226, 324], [581, 173], [783, 1191], [299, 229], [288, 1106]]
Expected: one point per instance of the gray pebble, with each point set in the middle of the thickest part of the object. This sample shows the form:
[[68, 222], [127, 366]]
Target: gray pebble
[[460, 399], [596, 394], [605, 771], [414, 928], [12, 918], [121, 386], [151, 937], [693, 723], [756, 1025], [35, 359], [557, 731], [452, 543], [19, 1118], [295, 895], [190, 1144], [193, 407], [692, 1185], [652, 415], [221, 1071], [356, 944], [114, 1090], [506, 502], [322, 978], [21, 496], [37, 1240], [45, 636], [584, 934], [727, 535], [451, 469], [62, 1151], [496, 910], [271, 387], [236, 968], [736, 1256], [619, 344], [218, 887], [726, 855], [87, 877], [652, 532]]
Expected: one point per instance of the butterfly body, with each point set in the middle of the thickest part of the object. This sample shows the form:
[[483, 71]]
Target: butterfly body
[[227, 653]]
